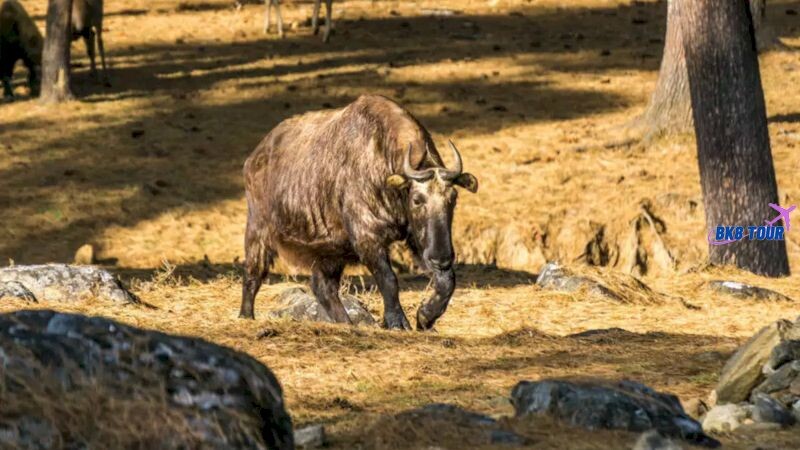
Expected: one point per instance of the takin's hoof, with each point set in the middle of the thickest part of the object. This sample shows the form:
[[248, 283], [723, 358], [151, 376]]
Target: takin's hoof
[[423, 323], [396, 322], [244, 315]]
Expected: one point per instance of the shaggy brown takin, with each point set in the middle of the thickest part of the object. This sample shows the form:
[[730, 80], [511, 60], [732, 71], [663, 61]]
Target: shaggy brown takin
[[87, 23], [334, 187], [20, 39]]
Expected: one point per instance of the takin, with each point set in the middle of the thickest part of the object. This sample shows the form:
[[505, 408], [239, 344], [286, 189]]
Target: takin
[[87, 23], [314, 17], [330, 188], [20, 39]]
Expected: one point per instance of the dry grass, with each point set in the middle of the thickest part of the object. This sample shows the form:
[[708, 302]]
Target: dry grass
[[531, 102]]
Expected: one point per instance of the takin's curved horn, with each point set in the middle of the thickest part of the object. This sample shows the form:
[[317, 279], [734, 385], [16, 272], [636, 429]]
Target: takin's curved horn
[[457, 168], [414, 174]]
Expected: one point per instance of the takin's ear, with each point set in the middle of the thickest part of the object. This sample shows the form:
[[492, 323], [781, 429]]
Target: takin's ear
[[467, 181], [396, 181]]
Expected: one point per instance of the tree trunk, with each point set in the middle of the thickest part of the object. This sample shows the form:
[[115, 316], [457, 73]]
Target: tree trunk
[[730, 121], [670, 108], [55, 58]]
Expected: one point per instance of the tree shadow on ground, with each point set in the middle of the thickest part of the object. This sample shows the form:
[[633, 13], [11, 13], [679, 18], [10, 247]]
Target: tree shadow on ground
[[182, 152]]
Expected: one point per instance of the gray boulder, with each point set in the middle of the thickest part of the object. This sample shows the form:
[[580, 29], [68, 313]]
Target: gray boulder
[[556, 278], [624, 405], [746, 291], [767, 409], [63, 283], [71, 381], [299, 304], [743, 371]]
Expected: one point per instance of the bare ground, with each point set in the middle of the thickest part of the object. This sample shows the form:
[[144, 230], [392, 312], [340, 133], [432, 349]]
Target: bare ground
[[536, 94]]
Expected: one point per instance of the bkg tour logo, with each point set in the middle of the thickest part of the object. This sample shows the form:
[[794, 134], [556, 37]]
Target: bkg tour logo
[[723, 235]]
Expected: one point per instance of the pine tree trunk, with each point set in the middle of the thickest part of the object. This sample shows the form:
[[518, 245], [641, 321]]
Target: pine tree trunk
[[56, 53], [730, 120], [670, 109]]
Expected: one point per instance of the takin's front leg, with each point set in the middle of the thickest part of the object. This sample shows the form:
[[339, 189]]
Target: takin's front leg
[[8, 90], [6, 72], [444, 283], [381, 269]]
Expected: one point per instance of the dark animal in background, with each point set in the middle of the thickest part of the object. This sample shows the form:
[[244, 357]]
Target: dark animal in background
[[314, 17], [20, 39], [87, 23], [334, 187]]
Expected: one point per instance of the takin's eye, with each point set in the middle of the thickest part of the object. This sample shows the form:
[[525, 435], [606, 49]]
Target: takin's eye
[[417, 200]]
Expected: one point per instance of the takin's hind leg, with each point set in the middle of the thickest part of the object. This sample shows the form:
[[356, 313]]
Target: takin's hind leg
[[325, 284], [258, 258], [88, 39]]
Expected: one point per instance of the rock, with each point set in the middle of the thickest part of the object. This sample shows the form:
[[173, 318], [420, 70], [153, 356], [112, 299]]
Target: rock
[[557, 278], [85, 255], [64, 283], [624, 405], [796, 410], [767, 409], [778, 381], [71, 381], [783, 353], [743, 371], [310, 437], [15, 289], [297, 303], [442, 425], [653, 440], [746, 291], [725, 418]]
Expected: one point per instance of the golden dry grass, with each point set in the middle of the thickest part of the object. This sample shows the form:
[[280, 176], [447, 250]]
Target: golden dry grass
[[532, 104]]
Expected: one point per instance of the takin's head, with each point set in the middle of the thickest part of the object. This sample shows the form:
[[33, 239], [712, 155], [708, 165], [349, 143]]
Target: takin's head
[[431, 200]]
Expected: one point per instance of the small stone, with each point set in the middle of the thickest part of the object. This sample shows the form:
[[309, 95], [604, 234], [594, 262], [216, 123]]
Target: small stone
[[85, 255], [297, 303], [725, 418], [556, 278], [746, 291], [653, 440], [310, 437], [769, 410]]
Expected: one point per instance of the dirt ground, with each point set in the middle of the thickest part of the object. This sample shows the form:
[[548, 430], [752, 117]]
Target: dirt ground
[[537, 94]]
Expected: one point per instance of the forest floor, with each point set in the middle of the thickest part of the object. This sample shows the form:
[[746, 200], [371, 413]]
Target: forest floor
[[537, 94]]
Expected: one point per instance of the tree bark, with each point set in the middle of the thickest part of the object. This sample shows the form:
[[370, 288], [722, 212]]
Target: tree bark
[[730, 121], [670, 108], [56, 53]]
